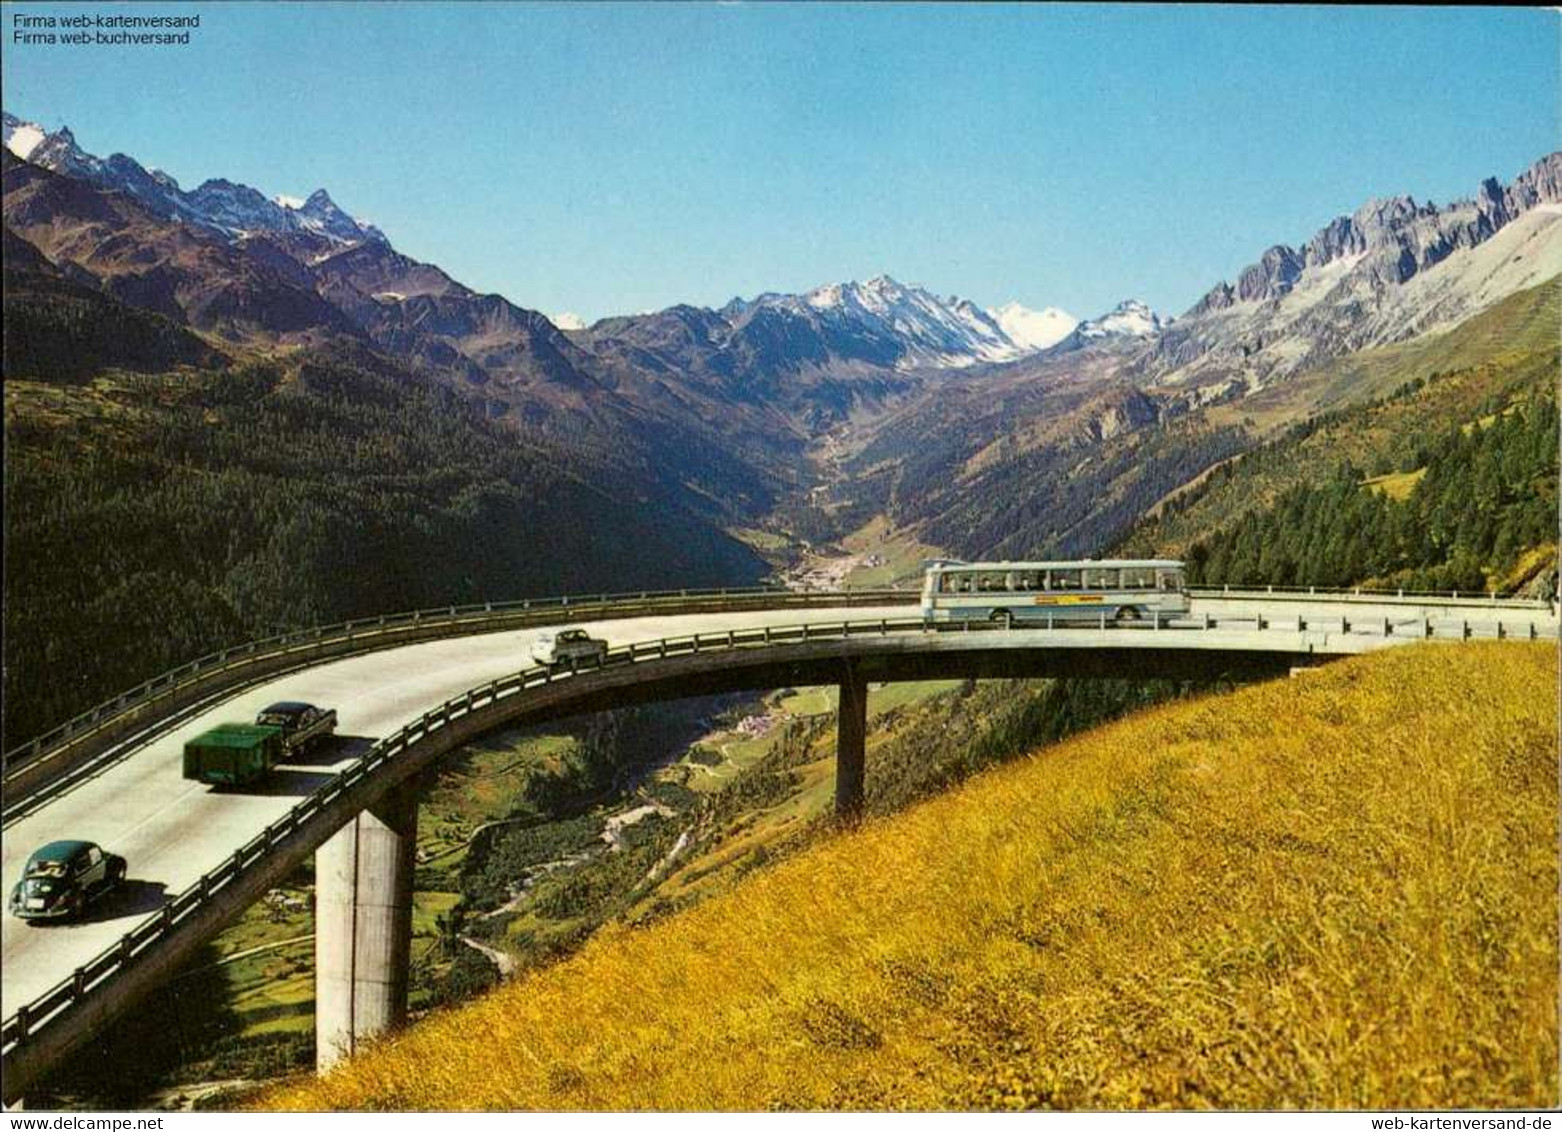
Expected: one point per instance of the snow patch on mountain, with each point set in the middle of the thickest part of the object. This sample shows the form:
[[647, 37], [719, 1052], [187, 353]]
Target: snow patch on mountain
[[926, 330], [1031, 329], [21, 138]]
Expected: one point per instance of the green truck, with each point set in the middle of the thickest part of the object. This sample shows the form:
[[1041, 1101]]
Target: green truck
[[233, 754]]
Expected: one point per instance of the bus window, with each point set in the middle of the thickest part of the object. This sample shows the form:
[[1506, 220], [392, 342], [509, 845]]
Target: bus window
[[1030, 580], [1097, 578], [1138, 578], [1064, 579], [1171, 581]]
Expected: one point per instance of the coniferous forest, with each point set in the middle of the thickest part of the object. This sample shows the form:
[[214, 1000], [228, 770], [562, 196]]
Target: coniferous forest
[[183, 513], [1486, 493]]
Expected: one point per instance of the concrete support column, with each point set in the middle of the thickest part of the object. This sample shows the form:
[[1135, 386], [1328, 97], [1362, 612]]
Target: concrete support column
[[851, 728], [363, 926]]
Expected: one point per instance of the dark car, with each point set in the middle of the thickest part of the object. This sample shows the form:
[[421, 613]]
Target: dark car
[[62, 878], [303, 725]]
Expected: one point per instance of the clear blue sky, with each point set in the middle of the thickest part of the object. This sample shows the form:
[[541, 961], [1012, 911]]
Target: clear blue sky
[[615, 158]]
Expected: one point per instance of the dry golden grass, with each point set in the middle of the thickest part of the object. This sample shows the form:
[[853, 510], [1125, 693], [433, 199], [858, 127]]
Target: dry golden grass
[[1396, 485], [1335, 891]]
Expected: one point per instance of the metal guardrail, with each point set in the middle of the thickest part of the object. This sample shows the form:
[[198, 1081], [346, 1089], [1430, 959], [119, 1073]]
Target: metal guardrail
[[240, 659], [1371, 593], [49, 1006]]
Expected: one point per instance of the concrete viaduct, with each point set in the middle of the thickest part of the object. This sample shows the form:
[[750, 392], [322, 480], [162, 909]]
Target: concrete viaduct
[[411, 689]]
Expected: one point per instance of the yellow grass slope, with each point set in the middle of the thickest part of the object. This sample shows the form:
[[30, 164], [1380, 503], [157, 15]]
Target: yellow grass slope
[[1333, 891]]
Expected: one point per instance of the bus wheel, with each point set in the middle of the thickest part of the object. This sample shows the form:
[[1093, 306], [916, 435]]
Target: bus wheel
[[1127, 615]]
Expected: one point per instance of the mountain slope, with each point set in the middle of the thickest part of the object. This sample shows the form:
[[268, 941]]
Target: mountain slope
[[1392, 270], [1198, 906], [152, 519], [189, 275], [925, 409], [1497, 365], [61, 326]]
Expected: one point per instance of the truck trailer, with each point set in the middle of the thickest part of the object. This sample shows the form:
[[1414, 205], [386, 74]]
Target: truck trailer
[[233, 754]]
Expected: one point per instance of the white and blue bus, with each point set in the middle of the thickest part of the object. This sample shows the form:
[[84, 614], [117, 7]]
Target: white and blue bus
[[1122, 589]]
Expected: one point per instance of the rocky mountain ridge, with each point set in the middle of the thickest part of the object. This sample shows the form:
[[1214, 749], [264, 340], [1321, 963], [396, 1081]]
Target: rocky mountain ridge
[[220, 205], [1390, 270]]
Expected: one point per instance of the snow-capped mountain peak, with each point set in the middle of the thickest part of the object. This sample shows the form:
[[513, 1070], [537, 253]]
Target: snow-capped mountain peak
[[57, 151], [879, 295], [319, 213], [1129, 319], [918, 327], [1031, 329], [828, 297]]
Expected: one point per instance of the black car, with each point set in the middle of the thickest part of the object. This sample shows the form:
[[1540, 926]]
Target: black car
[[62, 878], [303, 725]]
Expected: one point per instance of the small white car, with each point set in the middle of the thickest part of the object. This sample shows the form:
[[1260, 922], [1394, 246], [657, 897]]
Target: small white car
[[569, 643]]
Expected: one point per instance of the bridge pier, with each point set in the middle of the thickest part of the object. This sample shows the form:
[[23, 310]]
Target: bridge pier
[[363, 926], [851, 729]]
